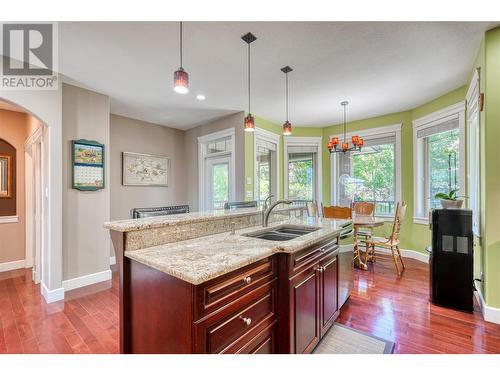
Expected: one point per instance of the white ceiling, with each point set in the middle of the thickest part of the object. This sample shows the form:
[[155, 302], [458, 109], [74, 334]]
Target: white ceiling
[[379, 67]]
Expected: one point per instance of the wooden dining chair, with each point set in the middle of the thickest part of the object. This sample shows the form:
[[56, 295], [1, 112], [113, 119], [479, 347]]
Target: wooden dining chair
[[337, 212], [392, 243], [312, 209], [364, 234]]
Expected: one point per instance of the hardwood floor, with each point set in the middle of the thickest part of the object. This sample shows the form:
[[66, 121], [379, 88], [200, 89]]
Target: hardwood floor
[[382, 304], [87, 322], [398, 309]]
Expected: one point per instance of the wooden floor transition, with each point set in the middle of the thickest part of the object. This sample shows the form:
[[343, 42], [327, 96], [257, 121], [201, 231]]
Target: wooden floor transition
[[392, 308]]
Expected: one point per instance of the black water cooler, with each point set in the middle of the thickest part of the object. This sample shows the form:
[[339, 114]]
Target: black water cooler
[[451, 259]]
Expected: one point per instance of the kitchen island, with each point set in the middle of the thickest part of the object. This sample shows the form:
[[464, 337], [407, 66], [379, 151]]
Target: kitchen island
[[183, 290]]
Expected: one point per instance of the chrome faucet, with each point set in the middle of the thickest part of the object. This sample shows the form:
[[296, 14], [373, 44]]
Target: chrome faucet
[[268, 211], [265, 206]]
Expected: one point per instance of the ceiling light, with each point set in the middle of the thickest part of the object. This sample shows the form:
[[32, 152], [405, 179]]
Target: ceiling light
[[181, 77], [249, 124], [200, 97], [357, 141], [287, 126]]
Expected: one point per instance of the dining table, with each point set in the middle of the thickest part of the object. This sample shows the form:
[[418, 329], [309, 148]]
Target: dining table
[[363, 222]]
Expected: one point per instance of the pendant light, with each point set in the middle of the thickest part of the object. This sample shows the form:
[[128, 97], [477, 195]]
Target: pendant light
[[249, 120], [181, 77], [287, 126], [357, 141]]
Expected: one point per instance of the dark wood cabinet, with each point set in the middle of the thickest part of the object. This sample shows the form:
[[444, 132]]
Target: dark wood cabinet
[[308, 294], [281, 304], [305, 301], [329, 292]]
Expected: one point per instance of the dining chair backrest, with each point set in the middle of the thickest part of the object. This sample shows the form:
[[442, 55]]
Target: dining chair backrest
[[337, 212], [312, 209], [364, 208], [399, 216]]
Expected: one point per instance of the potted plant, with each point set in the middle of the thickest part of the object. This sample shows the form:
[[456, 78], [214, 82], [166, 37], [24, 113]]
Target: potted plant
[[450, 199]]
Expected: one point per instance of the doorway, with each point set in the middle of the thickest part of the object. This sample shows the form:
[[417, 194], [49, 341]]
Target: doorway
[[216, 161], [34, 202]]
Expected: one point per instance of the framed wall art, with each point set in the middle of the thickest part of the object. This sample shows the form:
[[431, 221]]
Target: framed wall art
[[88, 165], [144, 169]]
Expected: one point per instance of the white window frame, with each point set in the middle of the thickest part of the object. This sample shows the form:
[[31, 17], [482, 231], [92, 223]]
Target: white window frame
[[454, 111], [373, 133], [202, 155], [304, 141], [268, 136], [474, 159]]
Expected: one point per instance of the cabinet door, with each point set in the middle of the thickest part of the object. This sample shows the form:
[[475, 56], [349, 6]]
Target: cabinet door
[[305, 292], [329, 293]]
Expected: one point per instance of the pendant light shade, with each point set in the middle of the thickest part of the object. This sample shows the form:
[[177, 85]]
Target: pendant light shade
[[357, 141], [249, 124], [181, 77], [287, 126], [181, 81]]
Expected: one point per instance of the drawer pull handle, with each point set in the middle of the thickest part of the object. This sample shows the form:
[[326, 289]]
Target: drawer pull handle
[[247, 280], [323, 250], [247, 321]]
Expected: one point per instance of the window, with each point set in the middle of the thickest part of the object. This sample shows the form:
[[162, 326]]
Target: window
[[216, 169], [438, 158], [372, 175], [266, 151], [473, 139], [303, 166]]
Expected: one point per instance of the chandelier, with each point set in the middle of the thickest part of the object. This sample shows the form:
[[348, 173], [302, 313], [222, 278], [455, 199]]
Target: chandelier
[[357, 141]]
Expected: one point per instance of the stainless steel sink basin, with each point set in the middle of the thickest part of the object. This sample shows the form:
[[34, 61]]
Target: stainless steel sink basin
[[282, 232]]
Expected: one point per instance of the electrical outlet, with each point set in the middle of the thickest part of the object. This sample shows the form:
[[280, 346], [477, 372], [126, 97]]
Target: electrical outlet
[[249, 194]]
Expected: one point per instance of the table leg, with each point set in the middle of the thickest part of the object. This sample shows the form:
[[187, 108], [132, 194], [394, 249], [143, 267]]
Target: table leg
[[357, 256]]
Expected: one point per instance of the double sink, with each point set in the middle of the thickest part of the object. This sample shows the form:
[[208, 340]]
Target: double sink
[[283, 232]]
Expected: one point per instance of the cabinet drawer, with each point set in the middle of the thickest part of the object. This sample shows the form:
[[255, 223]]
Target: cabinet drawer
[[238, 324], [263, 343], [219, 292], [312, 254]]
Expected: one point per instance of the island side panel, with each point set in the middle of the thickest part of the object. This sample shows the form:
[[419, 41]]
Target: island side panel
[[160, 311], [119, 240]]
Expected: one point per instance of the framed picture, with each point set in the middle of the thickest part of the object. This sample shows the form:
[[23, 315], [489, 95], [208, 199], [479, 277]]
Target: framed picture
[[144, 169], [88, 165]]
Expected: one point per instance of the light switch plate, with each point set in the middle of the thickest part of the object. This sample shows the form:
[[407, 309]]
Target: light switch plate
[[249, 181]]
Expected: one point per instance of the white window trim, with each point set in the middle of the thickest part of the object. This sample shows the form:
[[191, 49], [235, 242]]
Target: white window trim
[[202, 141], [269, 137], [454, 111], [367, 134], [304, 141], [472, 97], [8, 219]]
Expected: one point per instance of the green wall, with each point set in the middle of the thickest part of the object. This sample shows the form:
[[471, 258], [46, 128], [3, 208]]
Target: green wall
[[490, 179]]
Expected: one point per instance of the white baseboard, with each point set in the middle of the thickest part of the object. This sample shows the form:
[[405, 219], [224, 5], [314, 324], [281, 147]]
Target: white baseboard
[[490, 314], [9, 266], [52, 295], [81, 281], [112, 260], [412, 254]]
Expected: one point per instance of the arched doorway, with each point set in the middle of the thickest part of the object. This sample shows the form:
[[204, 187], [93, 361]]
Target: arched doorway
[[36, 215]]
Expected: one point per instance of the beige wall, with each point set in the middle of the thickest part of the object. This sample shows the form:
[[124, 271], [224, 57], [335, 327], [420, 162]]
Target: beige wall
[[85, 115], [191, 155], [138, 136], [12, 235]]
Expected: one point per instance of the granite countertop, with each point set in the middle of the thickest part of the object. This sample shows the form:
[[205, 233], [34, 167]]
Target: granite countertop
[[201, 259], [187, 218]]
